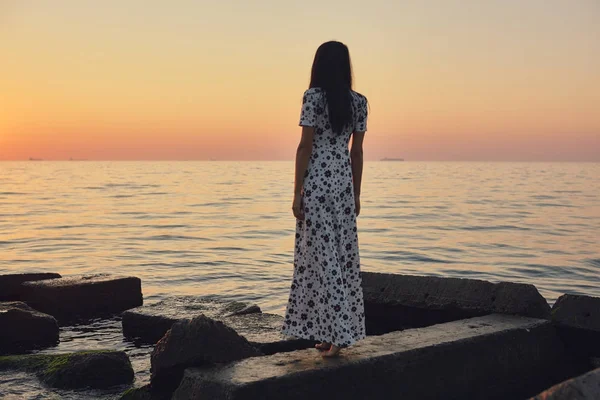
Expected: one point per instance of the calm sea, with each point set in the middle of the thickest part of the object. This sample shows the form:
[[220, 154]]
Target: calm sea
[[226, 228]]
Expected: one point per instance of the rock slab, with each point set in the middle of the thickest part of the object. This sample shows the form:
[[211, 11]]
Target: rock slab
[[88, 296], [395, 302], [578, 320], [489, 357], [149, 323], [22, 328], [10, 284], [94, 369], [584, 387], [197, 342]]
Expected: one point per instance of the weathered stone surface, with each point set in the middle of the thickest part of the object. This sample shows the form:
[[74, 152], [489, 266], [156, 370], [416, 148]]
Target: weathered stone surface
[[395, 302], [23, 328], [578, 321], [83, 296], [584, 387], [196, 342], [490, 357], [10, 285], [149, 323], [94, 369]]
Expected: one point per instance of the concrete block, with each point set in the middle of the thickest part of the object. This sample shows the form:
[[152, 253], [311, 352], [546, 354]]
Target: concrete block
[[71, 298], [395, 302]]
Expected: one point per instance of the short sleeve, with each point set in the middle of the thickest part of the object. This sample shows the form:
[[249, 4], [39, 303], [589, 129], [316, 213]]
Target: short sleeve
[[362, 115], [308, 115]]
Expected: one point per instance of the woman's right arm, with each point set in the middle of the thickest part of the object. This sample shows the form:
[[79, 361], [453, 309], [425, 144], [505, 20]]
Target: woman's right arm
[[356, 151], [356, 157]]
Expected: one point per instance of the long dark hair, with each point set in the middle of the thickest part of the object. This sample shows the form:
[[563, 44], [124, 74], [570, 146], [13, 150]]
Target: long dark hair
[[332, 72]]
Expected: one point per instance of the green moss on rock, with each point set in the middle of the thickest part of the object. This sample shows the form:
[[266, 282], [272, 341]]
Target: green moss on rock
[[93, 369]]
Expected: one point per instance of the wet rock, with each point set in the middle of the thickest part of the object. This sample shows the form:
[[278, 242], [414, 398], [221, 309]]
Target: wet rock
[[490, 357], [584, 387], [149, 323], [71, 298], [93, 369], [200, 341], [395, 302], [578, 320], [10, 285], [22, 328]]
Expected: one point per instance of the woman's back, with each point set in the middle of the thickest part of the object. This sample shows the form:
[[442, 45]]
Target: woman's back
[[315, 113]]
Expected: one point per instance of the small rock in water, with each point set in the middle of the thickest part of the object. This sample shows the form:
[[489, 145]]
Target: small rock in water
[[239, 308], [197, 342], [24, 328], [89, 369], [83, 296]]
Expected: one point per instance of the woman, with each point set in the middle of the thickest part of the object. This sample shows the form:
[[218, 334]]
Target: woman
[[326, 299]]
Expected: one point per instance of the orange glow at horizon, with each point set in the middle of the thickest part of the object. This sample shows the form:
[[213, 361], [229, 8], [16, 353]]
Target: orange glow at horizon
[[494, 80]]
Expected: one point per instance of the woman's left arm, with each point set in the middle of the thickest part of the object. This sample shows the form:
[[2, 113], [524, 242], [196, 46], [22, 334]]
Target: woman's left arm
[[302, 157]]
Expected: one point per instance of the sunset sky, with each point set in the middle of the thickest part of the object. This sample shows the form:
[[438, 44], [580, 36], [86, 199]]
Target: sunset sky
[[192, 80]]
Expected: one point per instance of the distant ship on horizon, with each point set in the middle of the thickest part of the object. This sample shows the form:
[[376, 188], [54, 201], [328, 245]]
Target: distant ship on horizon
[[391, 159], [35, 159]]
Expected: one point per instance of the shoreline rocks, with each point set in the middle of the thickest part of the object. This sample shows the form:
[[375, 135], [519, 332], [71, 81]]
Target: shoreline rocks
[[395, 302], [89, 369], [72, 298], [471, 339], [22, 328], [10, 284]]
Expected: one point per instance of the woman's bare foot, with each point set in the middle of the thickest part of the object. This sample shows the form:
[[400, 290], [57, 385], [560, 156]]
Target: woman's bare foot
[[323, 346], [333, 351]]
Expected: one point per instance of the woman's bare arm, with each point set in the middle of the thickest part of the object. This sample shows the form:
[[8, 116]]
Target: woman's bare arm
[[356, 157], [302, 157]]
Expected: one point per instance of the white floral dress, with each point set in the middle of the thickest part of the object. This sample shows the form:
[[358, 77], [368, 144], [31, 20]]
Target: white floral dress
[[326, 298]]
